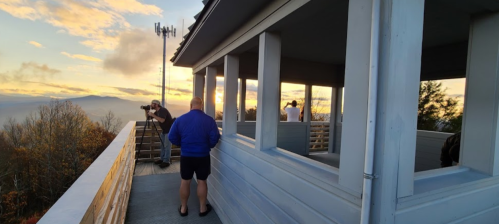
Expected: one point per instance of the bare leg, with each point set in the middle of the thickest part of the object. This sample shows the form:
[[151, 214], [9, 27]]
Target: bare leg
[[185, 187], [202, 194]]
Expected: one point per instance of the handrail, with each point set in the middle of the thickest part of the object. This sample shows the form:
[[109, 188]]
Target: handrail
[[319, 136], [101, 193]]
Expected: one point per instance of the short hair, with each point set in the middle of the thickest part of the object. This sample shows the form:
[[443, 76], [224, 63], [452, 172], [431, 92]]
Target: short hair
[[293, 103], [156, 102]]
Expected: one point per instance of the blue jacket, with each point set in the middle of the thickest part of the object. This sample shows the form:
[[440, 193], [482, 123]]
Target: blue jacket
[[195, 132]]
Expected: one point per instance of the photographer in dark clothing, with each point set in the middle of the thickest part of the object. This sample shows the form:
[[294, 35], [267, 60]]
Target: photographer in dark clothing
[[450, 150], [163, 116]]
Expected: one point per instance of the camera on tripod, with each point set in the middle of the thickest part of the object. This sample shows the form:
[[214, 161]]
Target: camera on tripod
[[146, 108], [147, 126]]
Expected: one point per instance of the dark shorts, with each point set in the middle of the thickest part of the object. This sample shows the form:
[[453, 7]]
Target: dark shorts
[[199, 165]]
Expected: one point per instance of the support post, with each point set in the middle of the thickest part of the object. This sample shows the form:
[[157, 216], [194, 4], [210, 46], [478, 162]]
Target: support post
[[242, 101], [480, 135], [269, 62], [353, 136], [332, 120], [229, 123], [307, 112], [399, 68], [198, 83], [210, 91]]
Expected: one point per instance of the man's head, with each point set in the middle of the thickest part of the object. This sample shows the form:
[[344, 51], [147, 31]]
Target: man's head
[[155, 104], [293, 103], [196, 103]]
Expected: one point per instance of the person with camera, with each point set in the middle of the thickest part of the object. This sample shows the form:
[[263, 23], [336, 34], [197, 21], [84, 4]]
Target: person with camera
[[293, 112], [196, 133], [163, 116]]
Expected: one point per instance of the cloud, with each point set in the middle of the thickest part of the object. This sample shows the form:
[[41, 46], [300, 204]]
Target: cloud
[[80, 56], [251, 87], [220, 82], [98, 22], [31, 92], [130, 6], [29, 71], [135, 92], [20, 9], [65, 87], [325, 99], [294, 91], [178, 90], [138, 52], [36, 44]]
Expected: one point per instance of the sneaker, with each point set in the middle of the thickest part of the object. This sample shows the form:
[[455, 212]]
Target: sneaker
[[164, 165], [159, 161]]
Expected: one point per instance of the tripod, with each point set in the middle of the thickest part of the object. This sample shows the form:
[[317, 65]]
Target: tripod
[[137, 154]]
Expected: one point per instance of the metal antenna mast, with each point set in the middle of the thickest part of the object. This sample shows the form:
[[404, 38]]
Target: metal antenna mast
[[166, 31]]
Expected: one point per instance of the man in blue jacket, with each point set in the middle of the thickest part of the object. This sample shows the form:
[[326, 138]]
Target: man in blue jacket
[[196, 133]]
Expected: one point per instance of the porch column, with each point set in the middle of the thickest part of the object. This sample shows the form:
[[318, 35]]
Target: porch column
[[210, 91], [339, 119], [339, 105], [269, 62], [229, 123], [480, 135], [242, 101], [399, 68], [332, 119], [198, 83], [353, 137], [308, 102]]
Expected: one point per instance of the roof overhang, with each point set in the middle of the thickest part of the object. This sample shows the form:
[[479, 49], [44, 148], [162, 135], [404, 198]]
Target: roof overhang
[[215, 22]]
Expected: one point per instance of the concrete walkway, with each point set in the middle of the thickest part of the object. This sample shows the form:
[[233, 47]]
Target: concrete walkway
[[155, 199]]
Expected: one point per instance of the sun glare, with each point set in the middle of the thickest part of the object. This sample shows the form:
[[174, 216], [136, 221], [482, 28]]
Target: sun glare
[[218, 98]]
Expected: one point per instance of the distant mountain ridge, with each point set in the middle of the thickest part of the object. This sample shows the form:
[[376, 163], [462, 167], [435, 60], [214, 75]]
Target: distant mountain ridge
[[95, 106]]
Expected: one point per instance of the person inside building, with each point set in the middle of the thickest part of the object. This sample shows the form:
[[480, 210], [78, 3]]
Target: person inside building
[[293, 112], [450, 150]]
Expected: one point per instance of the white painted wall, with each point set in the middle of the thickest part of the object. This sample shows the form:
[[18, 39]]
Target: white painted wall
[[275, 186], [480, 136]]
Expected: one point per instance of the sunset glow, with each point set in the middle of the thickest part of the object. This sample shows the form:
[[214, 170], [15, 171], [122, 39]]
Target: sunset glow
[[68, 48]]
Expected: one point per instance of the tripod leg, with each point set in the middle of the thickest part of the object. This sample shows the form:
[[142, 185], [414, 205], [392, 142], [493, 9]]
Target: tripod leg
[[157, 132], [137, 154]]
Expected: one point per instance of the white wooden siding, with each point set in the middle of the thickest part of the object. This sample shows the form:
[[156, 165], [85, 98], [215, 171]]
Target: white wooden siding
[[275, 186]]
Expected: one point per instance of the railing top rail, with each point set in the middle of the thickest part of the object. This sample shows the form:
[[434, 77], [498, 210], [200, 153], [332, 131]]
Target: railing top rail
[[73, 205]]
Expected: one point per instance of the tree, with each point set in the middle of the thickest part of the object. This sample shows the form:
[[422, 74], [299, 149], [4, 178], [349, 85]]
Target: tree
[[250, 114], [219, 115], [46, 153], [111, 123], [437, 111]]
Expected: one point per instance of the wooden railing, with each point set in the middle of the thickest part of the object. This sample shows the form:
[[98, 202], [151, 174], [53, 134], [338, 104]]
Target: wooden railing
[[151, 144], [319, 136], [101, 193]]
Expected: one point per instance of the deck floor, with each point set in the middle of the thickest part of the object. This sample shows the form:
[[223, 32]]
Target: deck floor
[[154, 197]]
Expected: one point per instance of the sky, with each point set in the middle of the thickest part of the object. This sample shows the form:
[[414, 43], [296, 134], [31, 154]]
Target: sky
[[70, 48]]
